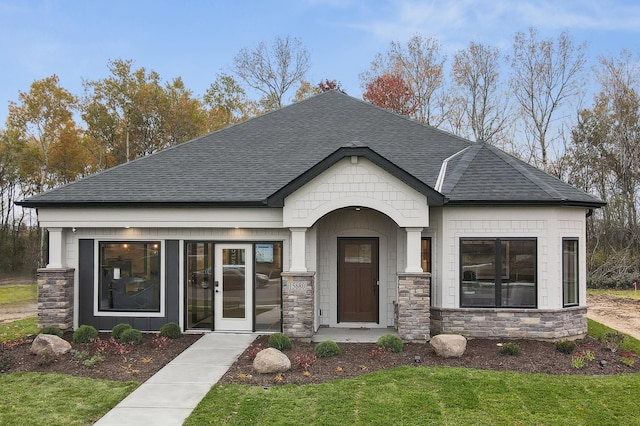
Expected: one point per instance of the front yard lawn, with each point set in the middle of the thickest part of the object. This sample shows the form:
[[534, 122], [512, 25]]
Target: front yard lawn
[[627, 294], [20, 293], [429, 395], [57, 399]]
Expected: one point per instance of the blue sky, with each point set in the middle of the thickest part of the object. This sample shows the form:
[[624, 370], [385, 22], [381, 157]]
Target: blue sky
[[195, 40]]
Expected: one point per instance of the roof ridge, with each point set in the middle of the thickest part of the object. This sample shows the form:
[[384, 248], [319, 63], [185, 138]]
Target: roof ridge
[[458, 170], [443, 168]]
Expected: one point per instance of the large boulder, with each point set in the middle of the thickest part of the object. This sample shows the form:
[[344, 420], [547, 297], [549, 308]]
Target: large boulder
[[449, 345], [48, 345], [271, 360]]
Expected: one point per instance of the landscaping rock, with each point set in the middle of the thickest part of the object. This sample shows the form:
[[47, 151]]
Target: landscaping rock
[[271, 360], [48, 345], [449, 345]]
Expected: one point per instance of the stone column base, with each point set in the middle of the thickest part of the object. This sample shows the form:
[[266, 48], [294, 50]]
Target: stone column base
[[298, 304], [414, 306], [55, 298]]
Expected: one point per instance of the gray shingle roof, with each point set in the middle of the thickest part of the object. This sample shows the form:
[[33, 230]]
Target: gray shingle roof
[[247, 163]]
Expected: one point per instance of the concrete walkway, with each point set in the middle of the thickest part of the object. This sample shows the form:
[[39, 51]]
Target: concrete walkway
[[169, 397]]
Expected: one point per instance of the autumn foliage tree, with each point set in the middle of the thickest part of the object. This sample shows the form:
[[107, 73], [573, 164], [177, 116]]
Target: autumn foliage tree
[[391, 92]]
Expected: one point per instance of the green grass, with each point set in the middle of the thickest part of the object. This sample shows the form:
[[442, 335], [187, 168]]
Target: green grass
[[17, 294], [57, 399], [597, 330], [17, 329], [433, 395], [429, 395], [626, 294]]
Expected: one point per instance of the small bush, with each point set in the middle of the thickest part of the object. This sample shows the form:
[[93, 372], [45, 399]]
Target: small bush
[[131, 336], [565, 346], [391, 342], [510, 349], [251, 352], [327, 348], [118, 329], [158, 342], [170, 330], [612, 340], [93, 360], [84, 334], [304, 360], [110, 346], [51, 330], [279, 341]]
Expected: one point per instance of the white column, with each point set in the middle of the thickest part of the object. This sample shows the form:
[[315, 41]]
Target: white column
[[414, 250], [56, 248], [298, 250]]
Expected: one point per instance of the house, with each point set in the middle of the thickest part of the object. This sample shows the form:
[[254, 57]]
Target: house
[[329, 212]]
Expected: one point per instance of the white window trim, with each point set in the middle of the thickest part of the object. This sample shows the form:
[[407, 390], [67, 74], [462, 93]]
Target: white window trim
[[96, 284]]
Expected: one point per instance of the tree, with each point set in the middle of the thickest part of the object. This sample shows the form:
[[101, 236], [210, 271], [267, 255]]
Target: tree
[[43, 121], [306, 90], [273, 71], [227, 103], [420, 64], [483, 109], [546, 75], [390, 91], [603, 158]]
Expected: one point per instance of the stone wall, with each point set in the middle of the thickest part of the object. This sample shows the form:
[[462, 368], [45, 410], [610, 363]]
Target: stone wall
[[55, 298], [297, 304], [540, 324], [413, 315]]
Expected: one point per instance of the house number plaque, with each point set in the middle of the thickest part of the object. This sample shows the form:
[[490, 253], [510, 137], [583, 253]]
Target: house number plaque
[[297, 285]]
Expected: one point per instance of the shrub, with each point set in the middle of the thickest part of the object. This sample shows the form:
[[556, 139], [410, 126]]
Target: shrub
[[170, 330], [613, 340], [51, 330], [510, 349], [110, 345], [131, 336], [84, 334], [118, 329], [304, 360], [279, 341], [327, 348], [391, 342], [93, 360], [251, 352], [565, 346]]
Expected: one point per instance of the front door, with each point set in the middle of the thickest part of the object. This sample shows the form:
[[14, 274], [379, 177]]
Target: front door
[[232, 286], [358, 280]]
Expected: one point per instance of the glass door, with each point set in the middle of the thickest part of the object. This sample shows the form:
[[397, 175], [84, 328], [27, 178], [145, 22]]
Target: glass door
[[233, 287], [199, 285]]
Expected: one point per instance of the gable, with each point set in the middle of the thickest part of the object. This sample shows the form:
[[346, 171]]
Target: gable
[[355, 182]]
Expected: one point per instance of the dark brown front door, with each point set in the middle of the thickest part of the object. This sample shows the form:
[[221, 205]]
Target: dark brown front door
[[357, 280]]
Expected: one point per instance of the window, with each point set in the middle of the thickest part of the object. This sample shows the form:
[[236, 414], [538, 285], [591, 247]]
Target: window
[[498, 273], [570, 272], [268, 286], [426, 254], [129, 276]]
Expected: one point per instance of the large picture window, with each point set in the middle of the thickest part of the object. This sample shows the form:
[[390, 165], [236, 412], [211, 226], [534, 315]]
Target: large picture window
[[570, 272], [129, 276], [498, 273]]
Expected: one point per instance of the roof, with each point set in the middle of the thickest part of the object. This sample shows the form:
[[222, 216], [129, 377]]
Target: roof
[[261, 160]]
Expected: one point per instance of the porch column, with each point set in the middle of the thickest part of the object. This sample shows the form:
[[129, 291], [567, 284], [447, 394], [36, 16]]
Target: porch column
[[298, 304], [413, 317], [55, 297], [298, 250], [56, 248], [414, 250]]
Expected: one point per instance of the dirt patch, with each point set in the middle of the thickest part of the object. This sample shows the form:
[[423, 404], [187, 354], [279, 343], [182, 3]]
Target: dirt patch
[[138, 363], [359, 358], [619, 313], [18, 311]]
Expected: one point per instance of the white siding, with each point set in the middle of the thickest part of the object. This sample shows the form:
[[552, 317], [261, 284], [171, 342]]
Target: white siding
[[548, 225]]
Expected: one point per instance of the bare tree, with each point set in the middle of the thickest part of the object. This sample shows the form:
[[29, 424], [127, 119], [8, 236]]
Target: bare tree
[[273, 71], [482, 109], [420, 64], [546, 75]]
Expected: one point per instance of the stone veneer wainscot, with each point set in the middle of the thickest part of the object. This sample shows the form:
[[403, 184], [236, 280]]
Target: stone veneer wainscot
[[297, 304], [55, 298]]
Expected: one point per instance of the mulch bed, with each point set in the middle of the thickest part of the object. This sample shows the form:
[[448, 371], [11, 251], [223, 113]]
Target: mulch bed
[[142, 361], [359, 358], [138, 363]]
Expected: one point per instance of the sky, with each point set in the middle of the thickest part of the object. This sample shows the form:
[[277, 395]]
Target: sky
[[196, 40]]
